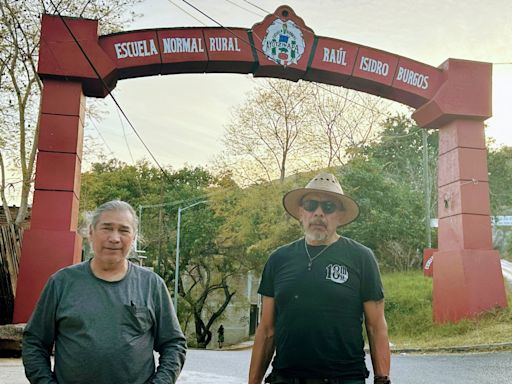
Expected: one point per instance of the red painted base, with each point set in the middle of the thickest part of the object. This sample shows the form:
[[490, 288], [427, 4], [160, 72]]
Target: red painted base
[[40, 258], [466, 283]]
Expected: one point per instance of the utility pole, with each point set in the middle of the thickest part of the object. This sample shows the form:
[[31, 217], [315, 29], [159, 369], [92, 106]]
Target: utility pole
[[177, 271], [426, 182]]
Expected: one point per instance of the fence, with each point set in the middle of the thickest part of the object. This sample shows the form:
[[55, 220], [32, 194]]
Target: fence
[[10, 249]]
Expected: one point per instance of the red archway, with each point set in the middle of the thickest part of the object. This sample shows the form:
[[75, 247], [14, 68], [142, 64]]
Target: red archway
[[455, 98]]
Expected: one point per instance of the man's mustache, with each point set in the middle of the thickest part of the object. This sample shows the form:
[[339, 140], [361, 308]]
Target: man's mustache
[[317, 222]]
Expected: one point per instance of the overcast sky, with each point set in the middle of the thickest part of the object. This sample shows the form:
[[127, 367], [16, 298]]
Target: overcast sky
[[181, 117]]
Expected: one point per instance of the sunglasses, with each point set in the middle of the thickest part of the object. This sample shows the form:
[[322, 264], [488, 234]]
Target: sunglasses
[[312, 205]]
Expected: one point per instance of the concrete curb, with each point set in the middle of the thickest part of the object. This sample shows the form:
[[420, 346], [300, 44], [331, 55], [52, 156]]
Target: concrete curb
[[237, 347], [10, 339], [457, 349], [451, 349]]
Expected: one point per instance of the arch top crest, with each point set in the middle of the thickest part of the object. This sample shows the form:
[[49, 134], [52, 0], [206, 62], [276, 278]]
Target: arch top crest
[[280, 46]]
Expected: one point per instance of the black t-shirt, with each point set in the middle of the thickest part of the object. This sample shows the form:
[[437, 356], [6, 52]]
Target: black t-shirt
[[319, 312]]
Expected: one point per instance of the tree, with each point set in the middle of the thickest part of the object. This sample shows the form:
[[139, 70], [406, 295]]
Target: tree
[[137, 184], [340, 124], [205, 273], [205, 270], [261, 140], [255, 220], [391, 221], [400, 150], [500, 182], [284, 128], [20, 87], [389, 183], [500, 179]]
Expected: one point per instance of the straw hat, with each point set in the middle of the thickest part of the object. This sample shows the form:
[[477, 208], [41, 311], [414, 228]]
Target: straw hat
[[323, 183]]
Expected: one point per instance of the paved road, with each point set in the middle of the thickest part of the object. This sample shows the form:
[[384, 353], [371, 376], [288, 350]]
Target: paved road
[[230, 367]]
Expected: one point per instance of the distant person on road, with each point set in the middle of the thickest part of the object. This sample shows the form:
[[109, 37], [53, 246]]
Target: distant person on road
[[220, 336], [316, 293], [105, 316]]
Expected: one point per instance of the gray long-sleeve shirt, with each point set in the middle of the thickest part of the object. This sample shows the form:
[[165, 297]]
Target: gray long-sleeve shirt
[[104, 332]]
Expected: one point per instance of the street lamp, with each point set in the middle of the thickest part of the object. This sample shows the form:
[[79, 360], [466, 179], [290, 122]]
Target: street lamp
[[138, 250], [177, 272]]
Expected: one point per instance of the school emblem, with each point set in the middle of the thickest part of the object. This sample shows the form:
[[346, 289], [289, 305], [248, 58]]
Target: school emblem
[[283, 42]]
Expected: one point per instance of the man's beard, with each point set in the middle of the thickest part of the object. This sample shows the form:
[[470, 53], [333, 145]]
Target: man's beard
[[315, 235]]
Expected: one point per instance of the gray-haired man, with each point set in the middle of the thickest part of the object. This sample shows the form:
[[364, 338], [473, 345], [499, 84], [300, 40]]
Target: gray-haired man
[[105, 316]]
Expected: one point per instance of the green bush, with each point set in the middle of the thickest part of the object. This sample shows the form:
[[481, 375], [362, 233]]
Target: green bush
[[410, 320]]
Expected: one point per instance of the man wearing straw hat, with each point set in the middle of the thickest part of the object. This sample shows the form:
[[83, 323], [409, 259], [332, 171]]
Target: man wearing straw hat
[[316, 292]]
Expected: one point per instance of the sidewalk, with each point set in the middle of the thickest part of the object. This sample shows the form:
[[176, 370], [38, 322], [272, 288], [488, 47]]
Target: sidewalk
[[11, 372], [237, 347]]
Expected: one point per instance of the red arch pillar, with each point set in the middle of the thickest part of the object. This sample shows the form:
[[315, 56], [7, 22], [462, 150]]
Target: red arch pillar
[[52, 241], [467, 275]]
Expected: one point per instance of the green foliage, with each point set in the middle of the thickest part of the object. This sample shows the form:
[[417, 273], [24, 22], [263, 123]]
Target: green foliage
[[500, 180], [204, 271], [383, 178], [410, 321], [500, 186], [137, 184], [408, 303], [386, 178], [247, 224], [399, 150], [391, 212], [255, 222]]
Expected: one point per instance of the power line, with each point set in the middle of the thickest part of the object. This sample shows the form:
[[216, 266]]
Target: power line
[[125, 138], [256, 6], [186, 12], [350, 100], [244, 8], [101, 136], [209, 194], [259, 50], [137, 176], [109, 92], [385, 115], [223, 27]]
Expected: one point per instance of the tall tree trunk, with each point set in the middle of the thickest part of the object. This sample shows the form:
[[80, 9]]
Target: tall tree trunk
[[5, 206]]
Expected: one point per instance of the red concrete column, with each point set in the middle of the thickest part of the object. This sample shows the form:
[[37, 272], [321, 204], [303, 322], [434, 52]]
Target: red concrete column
[[52, 242], [467, 274], [467, 278]]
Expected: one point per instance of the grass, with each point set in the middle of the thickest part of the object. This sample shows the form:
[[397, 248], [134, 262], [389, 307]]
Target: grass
[[410, 323]]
